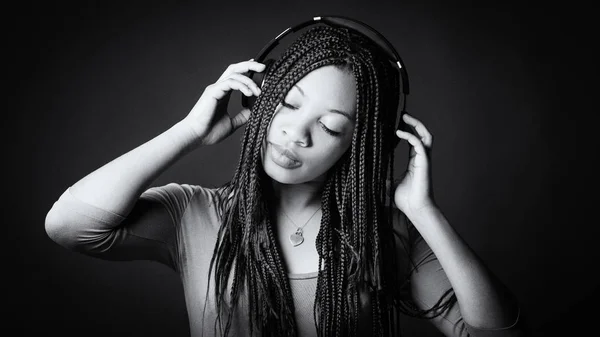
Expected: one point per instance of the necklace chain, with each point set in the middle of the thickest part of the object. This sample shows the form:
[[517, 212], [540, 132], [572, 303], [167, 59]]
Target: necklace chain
[[296, 239], [292, 221]]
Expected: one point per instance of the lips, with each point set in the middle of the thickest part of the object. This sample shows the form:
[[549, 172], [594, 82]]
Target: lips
[[283, 157], [286, 152]]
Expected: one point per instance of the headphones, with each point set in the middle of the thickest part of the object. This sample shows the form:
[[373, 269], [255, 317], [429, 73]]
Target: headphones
[[338, 22]]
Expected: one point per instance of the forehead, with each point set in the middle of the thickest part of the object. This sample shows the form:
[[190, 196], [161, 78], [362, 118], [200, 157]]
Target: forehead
[[329, 86]]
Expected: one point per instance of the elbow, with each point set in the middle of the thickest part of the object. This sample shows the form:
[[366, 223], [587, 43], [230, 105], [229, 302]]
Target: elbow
[[77, 226], [60, 230], [80, 227]]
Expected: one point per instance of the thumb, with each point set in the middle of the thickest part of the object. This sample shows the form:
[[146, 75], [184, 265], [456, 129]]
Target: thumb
[[240, 119]]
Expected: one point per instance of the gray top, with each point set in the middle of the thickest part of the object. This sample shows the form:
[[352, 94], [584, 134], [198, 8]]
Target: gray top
[[184, 237]]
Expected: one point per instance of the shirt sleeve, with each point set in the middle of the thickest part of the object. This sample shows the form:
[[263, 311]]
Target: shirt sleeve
[[148, 232], [429, 283]]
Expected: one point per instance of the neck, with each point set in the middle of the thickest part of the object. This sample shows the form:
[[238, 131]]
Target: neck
[[294, 198]]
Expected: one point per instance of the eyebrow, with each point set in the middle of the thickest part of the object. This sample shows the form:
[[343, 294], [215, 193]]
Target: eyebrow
[[343, 113]]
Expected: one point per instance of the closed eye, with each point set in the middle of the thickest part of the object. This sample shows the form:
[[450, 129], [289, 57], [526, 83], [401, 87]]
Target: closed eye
[[289, 106], [328, 130], [325, 128]]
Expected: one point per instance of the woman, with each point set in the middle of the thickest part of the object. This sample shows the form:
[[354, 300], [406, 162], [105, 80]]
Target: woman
[[307, 238]]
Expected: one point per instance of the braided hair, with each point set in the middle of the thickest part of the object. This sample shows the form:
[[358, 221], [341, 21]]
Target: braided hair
[[355, 242]]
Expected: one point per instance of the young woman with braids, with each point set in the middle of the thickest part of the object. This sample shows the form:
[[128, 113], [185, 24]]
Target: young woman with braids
[[307, 238]]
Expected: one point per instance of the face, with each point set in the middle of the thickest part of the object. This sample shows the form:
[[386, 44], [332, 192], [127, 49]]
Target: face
[[312, 128]]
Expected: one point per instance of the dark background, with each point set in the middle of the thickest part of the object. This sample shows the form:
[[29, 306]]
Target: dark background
[[504, 87]]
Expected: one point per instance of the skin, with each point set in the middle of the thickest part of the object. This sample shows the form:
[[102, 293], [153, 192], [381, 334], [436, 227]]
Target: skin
[[303, 123], [299, 124]]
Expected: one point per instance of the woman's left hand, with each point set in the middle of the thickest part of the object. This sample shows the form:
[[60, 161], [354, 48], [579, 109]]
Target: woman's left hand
[[413, 193]]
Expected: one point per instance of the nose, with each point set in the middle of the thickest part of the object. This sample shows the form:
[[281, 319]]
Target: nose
[[297, 131]]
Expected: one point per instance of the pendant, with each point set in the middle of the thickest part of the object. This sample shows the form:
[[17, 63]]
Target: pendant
[[296, 239]]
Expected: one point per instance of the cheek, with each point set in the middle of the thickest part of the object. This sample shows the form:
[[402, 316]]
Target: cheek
[[340, 145], [329, 155]]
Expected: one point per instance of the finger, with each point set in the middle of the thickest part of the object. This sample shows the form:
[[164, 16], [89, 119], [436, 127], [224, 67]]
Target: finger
[[240, 119], [222, 88], [243, 67], [424, 134], [247, 81], [416, 143]]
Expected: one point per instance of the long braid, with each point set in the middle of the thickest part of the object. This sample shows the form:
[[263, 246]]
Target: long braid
[[355, 242]]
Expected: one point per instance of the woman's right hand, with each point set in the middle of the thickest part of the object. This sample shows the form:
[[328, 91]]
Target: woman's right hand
[[209, 119]]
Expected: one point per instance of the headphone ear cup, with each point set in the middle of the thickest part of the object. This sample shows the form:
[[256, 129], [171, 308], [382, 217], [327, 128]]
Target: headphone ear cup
[[258, 78]]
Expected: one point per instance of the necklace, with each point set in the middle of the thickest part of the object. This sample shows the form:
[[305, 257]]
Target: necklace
[[296, 238]]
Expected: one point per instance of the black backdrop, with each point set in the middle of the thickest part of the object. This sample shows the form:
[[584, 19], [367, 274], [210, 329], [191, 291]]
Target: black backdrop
[[502, 86]]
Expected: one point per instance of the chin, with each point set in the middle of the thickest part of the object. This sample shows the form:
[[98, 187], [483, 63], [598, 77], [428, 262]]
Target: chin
[[282, 175], [290, 177]]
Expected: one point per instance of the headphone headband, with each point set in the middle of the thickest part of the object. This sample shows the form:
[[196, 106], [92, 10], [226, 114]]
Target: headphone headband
[[345, 22], [340, 22]]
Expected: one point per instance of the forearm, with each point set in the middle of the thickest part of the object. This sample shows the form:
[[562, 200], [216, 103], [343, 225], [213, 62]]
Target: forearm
[[484, 301], [116, 185]]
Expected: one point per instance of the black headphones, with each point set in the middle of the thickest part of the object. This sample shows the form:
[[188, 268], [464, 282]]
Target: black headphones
[[341, 22]]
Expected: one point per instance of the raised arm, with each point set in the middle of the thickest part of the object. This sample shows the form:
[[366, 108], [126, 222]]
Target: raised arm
[[485, 304], [109, 196]]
